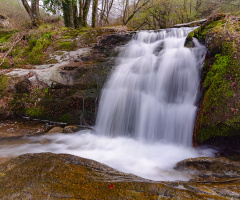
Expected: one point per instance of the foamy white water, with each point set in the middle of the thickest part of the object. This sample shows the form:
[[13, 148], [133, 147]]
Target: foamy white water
[[146, 113], [151, 161]]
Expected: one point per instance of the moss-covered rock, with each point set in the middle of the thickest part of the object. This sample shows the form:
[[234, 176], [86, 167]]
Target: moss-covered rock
[[220, 102], [65, 92], [62, 176]]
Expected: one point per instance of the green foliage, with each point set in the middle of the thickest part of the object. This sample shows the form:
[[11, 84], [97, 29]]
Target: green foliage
[[165, 13], [52, 6], [65, 118], [34, 111], [67, 45], [4, 83], [5, 36], [5, 65]]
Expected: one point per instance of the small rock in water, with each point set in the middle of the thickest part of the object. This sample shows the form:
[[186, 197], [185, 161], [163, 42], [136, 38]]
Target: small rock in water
[[70, 129], [55, 130]]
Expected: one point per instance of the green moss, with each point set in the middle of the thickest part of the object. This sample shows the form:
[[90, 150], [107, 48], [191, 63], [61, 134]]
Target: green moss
[[34, 111], [5, 65], [65, 118], [67, 45], [221, 129], [4, 83], [5, 36], [219, 111], [52, 61], [201, 32], [4, 48], [217, 72]]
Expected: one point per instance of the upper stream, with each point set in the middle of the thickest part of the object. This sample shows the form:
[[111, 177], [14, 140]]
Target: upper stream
[[146, 113]]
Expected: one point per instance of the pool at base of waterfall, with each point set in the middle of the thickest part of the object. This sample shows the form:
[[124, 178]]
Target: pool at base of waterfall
[[154, 161]]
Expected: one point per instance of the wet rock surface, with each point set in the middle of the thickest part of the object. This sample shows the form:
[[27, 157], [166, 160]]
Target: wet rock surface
[[211, 169], [55, 130], [22, 127], [63, 176]]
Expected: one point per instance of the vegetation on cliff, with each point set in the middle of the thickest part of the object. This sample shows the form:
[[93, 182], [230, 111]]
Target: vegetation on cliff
[[219, 107], [69, 90]]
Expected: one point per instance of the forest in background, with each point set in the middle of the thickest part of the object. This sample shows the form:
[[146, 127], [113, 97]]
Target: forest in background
[[135, 14]]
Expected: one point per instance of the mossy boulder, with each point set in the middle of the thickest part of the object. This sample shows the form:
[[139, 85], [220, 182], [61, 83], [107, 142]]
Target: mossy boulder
[[218, 114], [63, 176]]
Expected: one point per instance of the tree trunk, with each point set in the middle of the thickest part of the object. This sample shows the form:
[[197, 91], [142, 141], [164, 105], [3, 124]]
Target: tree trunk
[[94, 13], [109, 7], [125, 12], [85, 12], [81, 7], [35, 8], [102, 13], [75, 16], [66, 13], [136, 9], [32, 11], [71, 14]]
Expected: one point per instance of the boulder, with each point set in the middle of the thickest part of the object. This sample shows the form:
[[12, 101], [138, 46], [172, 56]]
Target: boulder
[[71, 129], [63, 176], [4, 21], [211, 169], [218, 114], [55, 130]]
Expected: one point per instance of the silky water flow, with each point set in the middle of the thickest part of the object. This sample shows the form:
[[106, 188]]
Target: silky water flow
[[151, 96], [146, 112]]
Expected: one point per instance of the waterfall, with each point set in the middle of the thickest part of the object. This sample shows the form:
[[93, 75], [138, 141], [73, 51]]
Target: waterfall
[[147, 107], [152, 93]]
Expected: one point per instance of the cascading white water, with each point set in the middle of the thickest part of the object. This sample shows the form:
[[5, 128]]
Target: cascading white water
[[151, 95]]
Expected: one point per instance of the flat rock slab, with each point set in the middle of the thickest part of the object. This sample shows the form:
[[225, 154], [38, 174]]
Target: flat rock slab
[[20, 127], [63, 176]]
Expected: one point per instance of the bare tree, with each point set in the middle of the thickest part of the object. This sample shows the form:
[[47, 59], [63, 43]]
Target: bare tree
[[136, 6], [105, 11]]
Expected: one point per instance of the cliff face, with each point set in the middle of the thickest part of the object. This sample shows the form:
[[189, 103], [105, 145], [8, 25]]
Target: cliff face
[[67, 85], [219, 112]]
